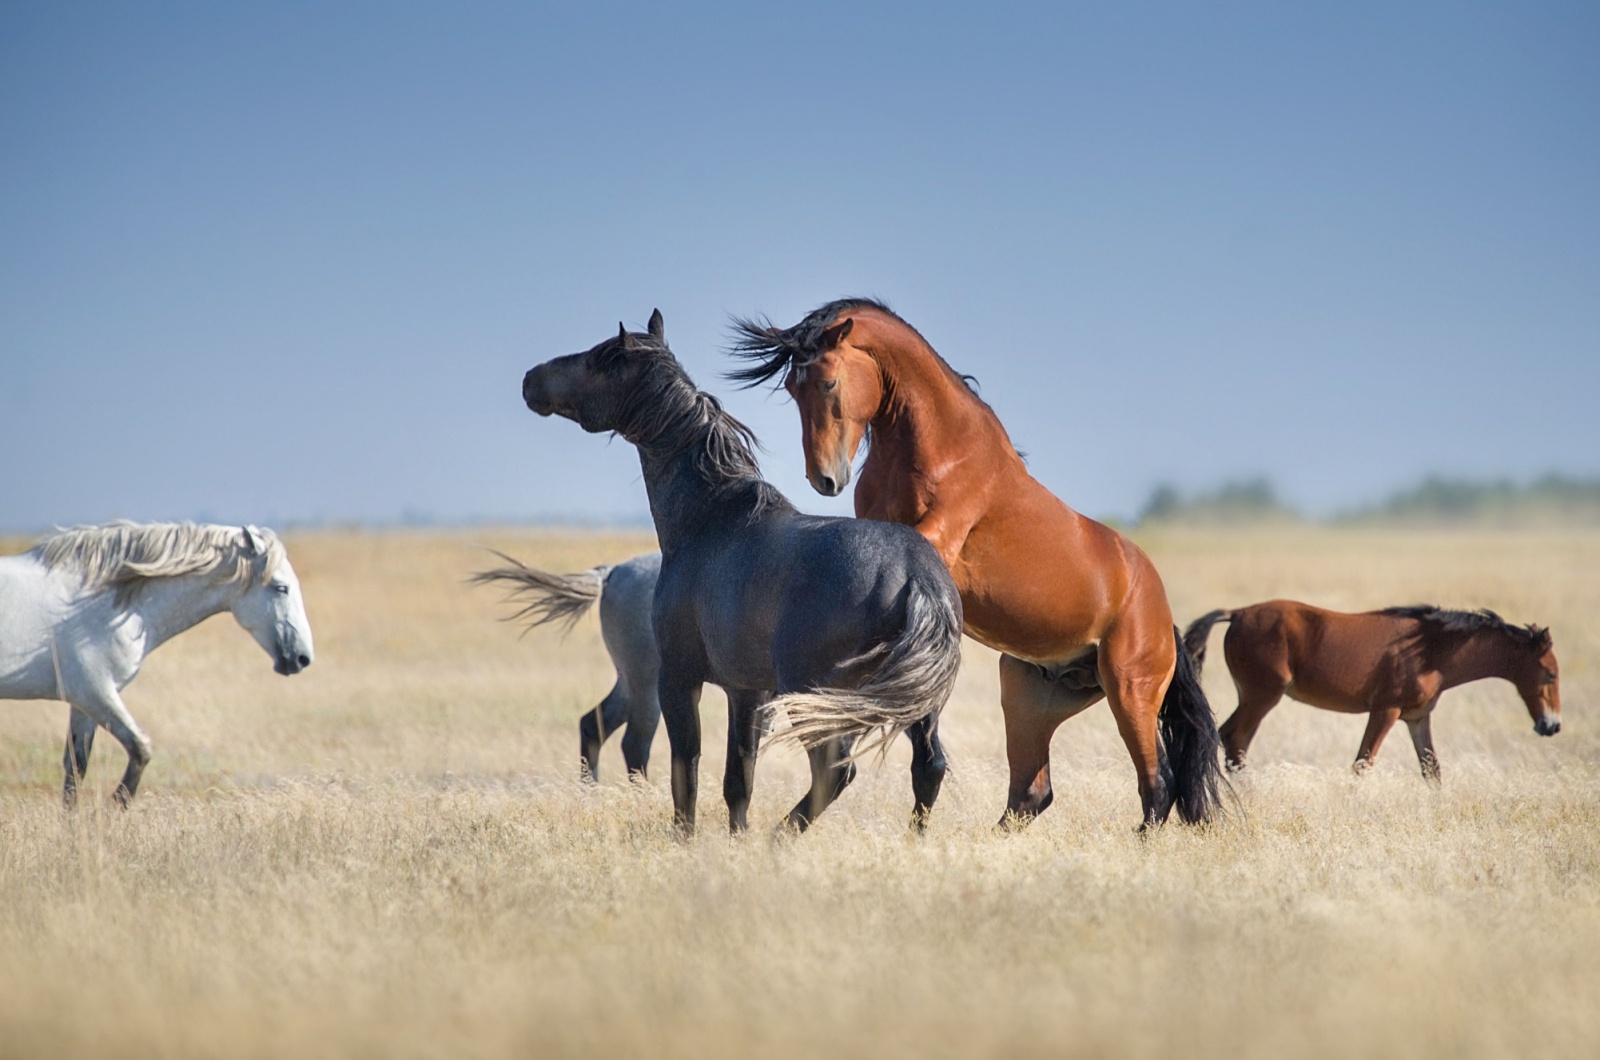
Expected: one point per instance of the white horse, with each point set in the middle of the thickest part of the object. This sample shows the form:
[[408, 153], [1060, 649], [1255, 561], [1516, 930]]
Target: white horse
[[79, 613]]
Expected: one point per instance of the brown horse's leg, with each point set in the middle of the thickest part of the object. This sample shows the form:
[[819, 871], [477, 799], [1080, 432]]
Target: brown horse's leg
[[1379, 722], [1241, 726], [1135, 672], [1034, 707], [1422, 739]]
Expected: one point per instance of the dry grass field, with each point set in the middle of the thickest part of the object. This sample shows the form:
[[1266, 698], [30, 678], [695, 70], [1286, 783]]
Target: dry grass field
[[391, 855]]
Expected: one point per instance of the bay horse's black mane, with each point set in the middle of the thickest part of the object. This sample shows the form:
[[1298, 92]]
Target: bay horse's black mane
[[772, 350], [669, 414], [1445, 621]]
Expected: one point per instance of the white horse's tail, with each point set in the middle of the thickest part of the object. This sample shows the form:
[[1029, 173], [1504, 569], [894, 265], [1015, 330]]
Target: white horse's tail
[[561, 599], [914, 680]]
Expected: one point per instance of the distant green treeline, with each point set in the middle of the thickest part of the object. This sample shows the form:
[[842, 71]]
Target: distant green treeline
[[1438, 501]]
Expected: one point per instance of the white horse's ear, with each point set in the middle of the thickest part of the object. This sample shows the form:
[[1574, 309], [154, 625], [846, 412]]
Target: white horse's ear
[[254, 544], [658, 329]]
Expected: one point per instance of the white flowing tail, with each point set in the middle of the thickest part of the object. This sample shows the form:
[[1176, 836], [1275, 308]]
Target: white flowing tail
[[561, 599], [914, 680]]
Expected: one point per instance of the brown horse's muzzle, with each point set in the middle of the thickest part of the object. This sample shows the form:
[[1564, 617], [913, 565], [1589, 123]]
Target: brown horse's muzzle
[[1548, 725]]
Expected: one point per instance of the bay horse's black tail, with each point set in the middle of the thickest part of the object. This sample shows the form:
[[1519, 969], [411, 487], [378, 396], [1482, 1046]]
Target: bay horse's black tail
[[1194, 638], [1189, 732]]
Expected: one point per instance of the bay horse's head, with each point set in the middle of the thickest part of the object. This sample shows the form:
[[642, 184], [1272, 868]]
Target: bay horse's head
[[1538, 679], [837, 385], [838, 391], [598, 389]]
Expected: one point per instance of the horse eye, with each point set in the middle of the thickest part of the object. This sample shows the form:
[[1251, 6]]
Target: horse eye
[[1549, 677], [830, 384], [280, 588]]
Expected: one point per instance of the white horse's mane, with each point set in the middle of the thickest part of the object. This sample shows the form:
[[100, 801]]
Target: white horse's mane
[[126, 556]]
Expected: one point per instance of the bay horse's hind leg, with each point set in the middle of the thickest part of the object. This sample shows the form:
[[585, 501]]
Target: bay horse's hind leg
[[75, 762], [745, 725], [596, 727], [1379, 722], [1034, 708], [1422, 739], [1241, 726], [1135, 671], [928, 767], [830, 775]]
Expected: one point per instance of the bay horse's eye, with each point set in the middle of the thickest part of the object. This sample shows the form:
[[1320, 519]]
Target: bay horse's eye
[[1549, 677], [830, 385]]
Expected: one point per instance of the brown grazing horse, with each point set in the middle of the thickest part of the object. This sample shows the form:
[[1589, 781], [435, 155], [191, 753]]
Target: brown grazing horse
[[1076, 609], [1389, 665]]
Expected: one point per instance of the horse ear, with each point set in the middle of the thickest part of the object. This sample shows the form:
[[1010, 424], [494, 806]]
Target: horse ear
[[657, 327], [836, 334], [253, 543], [623, 336], [1541, 638]]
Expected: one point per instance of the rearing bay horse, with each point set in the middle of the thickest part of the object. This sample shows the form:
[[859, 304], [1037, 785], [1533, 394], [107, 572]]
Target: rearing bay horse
[[1076, 609]]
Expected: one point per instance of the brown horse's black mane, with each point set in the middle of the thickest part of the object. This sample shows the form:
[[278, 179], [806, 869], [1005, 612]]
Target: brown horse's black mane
[[1444, 621], [773, 350]]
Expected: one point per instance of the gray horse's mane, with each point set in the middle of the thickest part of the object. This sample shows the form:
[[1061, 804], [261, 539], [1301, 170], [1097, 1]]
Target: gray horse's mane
[[127, 556]]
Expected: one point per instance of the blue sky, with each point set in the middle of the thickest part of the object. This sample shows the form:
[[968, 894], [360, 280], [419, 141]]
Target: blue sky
[[279, 262]]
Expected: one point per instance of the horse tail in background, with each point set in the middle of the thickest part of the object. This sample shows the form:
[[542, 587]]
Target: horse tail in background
[[561, 599], [915, 679], [1189, 733], [1194, 638]]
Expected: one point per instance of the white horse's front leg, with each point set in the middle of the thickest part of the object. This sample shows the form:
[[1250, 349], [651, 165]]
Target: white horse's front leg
[[75, 762], [106, 708]]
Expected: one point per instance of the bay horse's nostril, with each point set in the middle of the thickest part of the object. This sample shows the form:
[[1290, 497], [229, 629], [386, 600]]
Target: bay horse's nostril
[[827, 484]]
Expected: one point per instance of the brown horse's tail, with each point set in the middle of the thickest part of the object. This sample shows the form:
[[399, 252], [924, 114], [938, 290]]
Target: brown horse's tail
[[1189, 733], [1194, 638], [560, 599]]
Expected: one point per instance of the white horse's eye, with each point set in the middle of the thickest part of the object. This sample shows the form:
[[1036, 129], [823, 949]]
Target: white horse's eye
[[280, 588]]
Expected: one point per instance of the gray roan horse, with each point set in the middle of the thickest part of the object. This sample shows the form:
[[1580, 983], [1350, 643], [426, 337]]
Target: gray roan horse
[[855, 625], [624, 593]]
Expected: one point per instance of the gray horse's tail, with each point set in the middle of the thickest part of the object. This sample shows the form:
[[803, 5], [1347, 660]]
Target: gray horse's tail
[[1194, 638], [561, 599], [914, 680]]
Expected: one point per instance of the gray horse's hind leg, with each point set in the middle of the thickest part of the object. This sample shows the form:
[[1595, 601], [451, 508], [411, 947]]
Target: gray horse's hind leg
[[928, 766], [830, 775], [644, 714], [596, 726], [75, 761]]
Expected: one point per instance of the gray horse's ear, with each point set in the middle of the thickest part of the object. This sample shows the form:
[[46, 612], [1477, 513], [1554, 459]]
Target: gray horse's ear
[[623, 336], [658, 328], [836, 334], [254, 545]]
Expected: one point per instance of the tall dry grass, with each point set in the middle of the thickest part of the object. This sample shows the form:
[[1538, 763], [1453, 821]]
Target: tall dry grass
[[390, 854]]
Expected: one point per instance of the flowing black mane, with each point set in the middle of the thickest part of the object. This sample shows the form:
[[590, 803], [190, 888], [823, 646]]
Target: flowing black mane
[[668, 414], [1444, 621], [772, 350]]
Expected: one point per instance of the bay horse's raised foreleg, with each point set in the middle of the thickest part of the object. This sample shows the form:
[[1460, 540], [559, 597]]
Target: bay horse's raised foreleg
[[1379, 722], [745, 725], [928, 767], [1422, 739], [75, 762], [1034, 708], [680, 709], [830, 775]]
